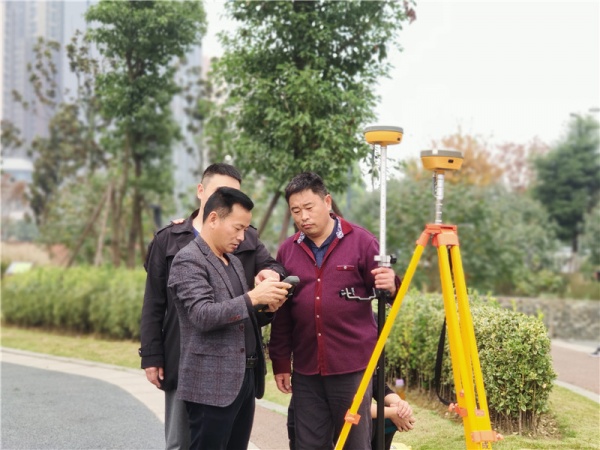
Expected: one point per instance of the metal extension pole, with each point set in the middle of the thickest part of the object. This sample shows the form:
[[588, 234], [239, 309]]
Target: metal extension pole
[[381, 298], [438, 192], [383, 207]]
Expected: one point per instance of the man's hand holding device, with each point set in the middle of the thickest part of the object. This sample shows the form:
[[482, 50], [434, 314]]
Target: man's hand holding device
[[291, 283]]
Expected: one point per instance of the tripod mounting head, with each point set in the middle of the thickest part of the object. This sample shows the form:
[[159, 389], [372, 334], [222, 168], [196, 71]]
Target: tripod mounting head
[[383, 135], [440, 160]]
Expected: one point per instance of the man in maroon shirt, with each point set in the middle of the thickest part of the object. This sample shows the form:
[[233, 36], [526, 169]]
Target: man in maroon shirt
[[329, 338]]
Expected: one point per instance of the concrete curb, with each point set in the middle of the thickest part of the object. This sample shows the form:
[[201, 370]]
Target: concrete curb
[[579, 346], [576, 389]]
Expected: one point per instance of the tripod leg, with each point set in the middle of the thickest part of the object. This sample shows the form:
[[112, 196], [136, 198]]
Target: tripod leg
[[463, 378], [482, 418], [463, 352], [351, 416]]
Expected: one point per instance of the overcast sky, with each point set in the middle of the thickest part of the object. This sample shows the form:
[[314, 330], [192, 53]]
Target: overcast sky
[[508, 71]]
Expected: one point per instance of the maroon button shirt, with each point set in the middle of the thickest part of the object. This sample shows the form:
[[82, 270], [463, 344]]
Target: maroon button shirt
[[322, 332]]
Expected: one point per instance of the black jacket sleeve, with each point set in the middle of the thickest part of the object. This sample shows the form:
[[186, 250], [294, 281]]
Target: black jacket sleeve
[[155, 305], [255, 257]]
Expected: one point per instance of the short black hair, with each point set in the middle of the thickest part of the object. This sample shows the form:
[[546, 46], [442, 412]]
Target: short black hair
[[221, 169], [304, 181], [222, 201]]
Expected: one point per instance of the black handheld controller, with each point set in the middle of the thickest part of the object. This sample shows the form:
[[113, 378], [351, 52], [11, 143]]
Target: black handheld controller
[[293, 280]]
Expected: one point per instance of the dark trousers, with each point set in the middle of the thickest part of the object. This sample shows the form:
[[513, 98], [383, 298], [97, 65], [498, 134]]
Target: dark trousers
[[177, 428], [390, 431], [224, 428], [320, 405]]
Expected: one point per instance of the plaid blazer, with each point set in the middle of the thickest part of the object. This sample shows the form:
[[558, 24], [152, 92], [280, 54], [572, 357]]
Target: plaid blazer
[[213, 353]]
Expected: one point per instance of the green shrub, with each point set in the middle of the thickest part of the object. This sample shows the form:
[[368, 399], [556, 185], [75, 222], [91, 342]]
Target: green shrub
[[72, 301], [514, 352], [582, 285], [3, 266], [116, 310], [530, 283], [412, 346], [103, 300], [27, 298]]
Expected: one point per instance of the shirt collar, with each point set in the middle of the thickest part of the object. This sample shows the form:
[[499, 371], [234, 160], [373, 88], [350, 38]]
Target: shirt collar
[[337, 228]]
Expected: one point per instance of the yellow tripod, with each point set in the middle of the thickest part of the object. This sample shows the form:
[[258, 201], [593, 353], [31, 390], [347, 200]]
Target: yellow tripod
[[471, 402]]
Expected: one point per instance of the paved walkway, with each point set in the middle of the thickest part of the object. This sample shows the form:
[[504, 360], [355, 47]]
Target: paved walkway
[[44, 409], [54, 402], [575, 368], [43, 394]]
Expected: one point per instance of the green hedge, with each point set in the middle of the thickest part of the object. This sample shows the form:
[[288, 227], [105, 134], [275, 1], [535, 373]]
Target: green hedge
[[104, 301], [514, 351]]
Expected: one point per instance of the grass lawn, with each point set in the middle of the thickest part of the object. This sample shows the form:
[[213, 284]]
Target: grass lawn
[[573, 422]]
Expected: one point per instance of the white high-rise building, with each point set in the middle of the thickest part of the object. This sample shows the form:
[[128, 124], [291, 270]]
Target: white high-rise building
[[23, 23]]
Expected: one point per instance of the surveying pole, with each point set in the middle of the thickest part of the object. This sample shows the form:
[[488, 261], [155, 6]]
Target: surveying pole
[[380, 136], [471, 403]]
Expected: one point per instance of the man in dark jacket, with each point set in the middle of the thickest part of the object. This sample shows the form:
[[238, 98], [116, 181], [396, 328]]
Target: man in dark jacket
[[160, 337]]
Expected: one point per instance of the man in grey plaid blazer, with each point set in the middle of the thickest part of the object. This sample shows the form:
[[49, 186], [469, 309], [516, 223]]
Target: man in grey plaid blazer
[[220, 351]]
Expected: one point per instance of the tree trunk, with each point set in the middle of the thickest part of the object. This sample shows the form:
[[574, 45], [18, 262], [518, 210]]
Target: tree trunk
[[136, 217], [335, 209], [574, 263], [88, 227], [118, 198], [114, 246], [268, 213], [117, 220], [143, 250], [284, 226], [102, 233], [133, 229]]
